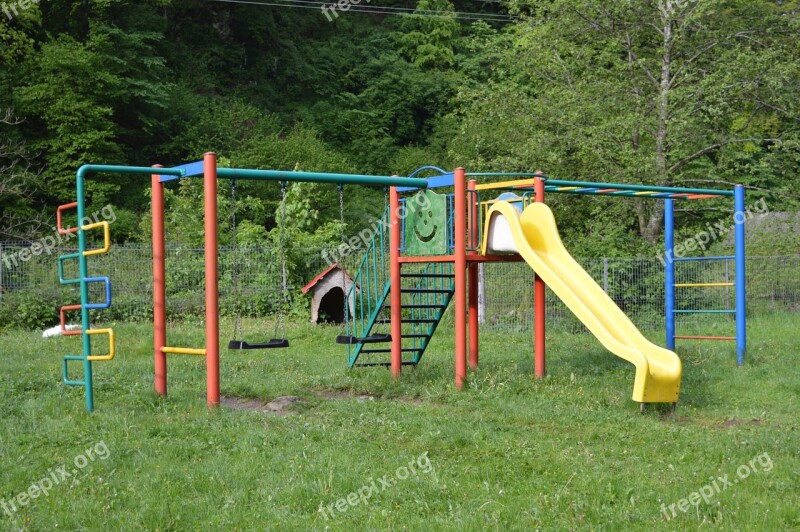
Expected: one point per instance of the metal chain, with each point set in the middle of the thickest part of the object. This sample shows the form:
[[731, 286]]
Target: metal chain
[[282, 248], [237, 323], [341, 267]]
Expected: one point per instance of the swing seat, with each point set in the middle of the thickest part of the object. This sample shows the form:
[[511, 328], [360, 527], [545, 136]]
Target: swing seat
[[371, 339], [272, 344]]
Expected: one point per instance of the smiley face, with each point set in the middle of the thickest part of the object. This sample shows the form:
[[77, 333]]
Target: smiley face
[[425, 228]]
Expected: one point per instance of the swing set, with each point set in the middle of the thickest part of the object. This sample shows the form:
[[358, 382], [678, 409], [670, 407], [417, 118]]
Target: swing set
[[431, 257]]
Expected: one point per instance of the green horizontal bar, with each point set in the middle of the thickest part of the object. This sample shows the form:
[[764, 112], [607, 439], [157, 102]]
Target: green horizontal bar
[[319, 177], [86, 168], [638, 188]]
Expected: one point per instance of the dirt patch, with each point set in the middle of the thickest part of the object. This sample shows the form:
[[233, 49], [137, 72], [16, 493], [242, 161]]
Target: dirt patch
[[278, 406], [343, 394], [416, 401], [735, 423]]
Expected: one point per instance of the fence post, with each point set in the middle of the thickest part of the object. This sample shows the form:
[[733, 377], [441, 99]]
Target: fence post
[[605, 274], [1, 272]]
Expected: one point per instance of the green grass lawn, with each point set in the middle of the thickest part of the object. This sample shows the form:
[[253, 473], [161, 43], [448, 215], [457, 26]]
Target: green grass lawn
[[570, 451]]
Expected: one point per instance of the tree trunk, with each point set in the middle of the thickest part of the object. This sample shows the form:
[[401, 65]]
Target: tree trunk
[[654, 215]]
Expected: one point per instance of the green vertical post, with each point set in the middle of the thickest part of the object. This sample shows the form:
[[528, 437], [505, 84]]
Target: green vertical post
[[84, 273]]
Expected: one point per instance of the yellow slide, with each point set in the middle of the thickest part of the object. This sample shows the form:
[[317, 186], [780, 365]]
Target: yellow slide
[[534, 235]]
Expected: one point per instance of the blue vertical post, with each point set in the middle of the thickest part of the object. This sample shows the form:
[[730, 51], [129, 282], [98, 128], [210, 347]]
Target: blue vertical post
[[739, 282], [669, 271]]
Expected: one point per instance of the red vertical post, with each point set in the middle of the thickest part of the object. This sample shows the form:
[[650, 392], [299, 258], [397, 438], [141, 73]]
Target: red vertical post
[[212, 278], [394, 278], [473, 274], [539, 304], [159, 289], [460, 233]]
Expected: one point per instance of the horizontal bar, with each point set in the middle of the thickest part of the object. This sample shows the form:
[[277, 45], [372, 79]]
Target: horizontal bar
[[504, 184], [65, 375], [63, 314], [686, 311], [690, 259], [106, 238], [60, 268], [188, 169], [437, 181], [622, 186], [107, 282], [111, 345], [319, 177], [506, 174], [59, 211], [183, 351], [117, 169], [682, 285], [705, 337]]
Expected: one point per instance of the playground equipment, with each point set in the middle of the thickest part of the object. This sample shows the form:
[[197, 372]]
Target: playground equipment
[[278, 341], [430, 244]]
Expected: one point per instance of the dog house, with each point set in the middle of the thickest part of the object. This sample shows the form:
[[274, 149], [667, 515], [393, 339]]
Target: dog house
[[328, 291]]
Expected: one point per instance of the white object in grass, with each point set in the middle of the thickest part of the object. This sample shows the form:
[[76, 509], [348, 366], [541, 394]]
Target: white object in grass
[[56, 331]]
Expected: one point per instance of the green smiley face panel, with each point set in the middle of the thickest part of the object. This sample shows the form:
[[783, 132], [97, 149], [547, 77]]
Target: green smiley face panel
[[426, 219]]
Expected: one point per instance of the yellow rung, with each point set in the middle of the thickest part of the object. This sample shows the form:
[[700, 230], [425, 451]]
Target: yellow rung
[[703, 284], [106, 238], [565, 189], [111, 348], [506, 184], [646, 193], [182, 351]]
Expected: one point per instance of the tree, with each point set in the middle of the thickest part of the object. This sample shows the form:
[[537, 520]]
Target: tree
[[663, 93], [19, 181]]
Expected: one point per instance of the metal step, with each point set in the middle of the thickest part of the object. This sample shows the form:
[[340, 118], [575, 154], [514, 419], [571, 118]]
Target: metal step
[[384, 321], [406, 350], [415, 336], [424, 291], [386, 364]]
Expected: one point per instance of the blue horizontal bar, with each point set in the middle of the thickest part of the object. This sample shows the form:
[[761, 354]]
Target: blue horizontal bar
[[704, 311], [188, 170], [107, 282], [689, 259]]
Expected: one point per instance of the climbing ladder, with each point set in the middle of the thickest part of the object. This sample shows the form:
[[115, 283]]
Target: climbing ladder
[[83, 280], [425, 296]]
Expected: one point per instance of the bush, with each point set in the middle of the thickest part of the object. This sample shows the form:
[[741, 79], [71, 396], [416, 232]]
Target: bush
[[33, 310]]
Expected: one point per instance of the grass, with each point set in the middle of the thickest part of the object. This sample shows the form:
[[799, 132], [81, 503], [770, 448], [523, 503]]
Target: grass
[[570, 451]]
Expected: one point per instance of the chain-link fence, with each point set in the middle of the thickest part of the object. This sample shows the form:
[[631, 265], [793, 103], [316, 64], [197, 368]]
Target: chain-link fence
[[637, 287], [30, 287]]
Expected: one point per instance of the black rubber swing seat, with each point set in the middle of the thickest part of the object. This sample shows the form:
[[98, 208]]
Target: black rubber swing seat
[[272, 344], [371, 339]]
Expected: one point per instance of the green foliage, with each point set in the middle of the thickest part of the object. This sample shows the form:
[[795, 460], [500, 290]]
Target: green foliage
[[31, 310]]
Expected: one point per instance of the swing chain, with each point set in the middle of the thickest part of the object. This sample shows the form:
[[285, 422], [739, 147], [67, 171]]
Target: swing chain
[[341, 267], [237, 324], [282, 250]]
